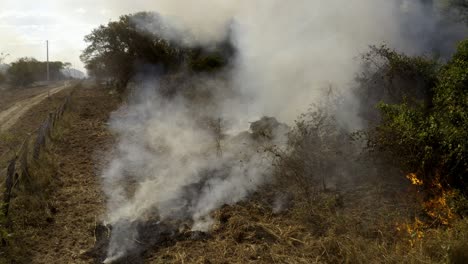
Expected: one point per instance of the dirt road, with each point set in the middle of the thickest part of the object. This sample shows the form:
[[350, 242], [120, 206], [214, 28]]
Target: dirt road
[[9, 116]]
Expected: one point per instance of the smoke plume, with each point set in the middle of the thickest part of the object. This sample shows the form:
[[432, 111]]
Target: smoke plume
[[170, 165]]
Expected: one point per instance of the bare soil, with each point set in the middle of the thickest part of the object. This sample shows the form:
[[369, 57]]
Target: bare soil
[[11, 96], [20, 102], [26, 120]]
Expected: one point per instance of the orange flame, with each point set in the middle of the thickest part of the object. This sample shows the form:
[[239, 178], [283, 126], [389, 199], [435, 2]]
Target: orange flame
[[414, 179], [414, 230], [436, 208]]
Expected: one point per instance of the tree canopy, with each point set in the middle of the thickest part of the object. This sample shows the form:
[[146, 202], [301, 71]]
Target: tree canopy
[[116, 50], [25, 71]]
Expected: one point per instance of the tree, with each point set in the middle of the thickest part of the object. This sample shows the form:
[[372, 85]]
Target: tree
[[22, 71], [432, 140], [25, 71], [390, 77], [114, 49], [117, 50]]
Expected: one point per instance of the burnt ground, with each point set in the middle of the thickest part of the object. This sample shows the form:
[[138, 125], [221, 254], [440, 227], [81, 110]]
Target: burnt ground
[[61, 228], [252, 232]]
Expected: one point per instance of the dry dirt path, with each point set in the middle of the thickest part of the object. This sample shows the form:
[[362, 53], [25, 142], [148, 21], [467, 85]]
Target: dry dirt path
[[11, 115]]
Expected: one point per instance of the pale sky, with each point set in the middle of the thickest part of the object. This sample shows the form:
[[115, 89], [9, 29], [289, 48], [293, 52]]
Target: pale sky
[[25, 25]]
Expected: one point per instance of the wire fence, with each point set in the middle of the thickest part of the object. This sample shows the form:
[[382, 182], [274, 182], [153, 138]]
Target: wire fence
[[18, 168]]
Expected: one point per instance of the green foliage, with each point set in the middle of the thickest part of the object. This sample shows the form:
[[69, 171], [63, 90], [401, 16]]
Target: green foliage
[[390, 77], [402, 66], [206, 63], [21, 72], [118, 50], [450, 115], [432, 141], [25, 71], [114, 48]]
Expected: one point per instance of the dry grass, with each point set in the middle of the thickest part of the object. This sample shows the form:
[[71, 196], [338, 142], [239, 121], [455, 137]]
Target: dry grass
[[244, 233], [361, 229], [30, 208], [74, 201], [358, 223], [11, 140]]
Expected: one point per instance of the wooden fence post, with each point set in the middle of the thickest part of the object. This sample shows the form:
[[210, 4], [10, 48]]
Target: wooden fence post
[[8, 185]]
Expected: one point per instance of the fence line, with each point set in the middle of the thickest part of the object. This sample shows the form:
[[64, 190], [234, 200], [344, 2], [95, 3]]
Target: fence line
[[18, 166]]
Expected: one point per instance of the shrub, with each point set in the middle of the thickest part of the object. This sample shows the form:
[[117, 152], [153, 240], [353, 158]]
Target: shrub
[[431, 140]]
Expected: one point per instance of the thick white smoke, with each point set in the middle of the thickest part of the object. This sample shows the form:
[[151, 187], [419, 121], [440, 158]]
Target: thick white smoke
[[169, 164], [288, 52]]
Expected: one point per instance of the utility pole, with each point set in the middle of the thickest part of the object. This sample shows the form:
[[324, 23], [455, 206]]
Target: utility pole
[[48, 75]]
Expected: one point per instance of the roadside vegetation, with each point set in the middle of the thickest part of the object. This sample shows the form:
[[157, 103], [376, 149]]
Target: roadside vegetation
[[25, 71], [427, 134], [29, 203], [394, 192], [403, 197]]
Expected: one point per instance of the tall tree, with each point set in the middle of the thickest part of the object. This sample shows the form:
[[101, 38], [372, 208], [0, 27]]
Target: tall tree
[[26, 70], [115, 48]]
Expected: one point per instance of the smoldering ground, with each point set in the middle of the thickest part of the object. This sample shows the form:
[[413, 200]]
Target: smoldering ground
[[173, 160]]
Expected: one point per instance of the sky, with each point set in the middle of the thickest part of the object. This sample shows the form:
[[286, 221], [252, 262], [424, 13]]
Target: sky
[[25, 25]]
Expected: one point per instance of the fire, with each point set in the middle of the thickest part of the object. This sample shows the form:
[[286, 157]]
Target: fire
[[436, 208], [414, 179], [414, 230]]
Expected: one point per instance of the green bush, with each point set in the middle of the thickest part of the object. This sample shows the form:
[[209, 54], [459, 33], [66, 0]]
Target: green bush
[[432, 140]]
